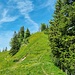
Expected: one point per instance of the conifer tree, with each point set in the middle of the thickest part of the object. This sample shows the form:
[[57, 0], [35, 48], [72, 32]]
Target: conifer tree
[[62, 35], [27, 33], [43, 26], [15, 44], [6, 49], [21, 33]]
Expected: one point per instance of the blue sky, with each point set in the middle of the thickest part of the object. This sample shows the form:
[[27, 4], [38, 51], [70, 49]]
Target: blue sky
[[27, 13]]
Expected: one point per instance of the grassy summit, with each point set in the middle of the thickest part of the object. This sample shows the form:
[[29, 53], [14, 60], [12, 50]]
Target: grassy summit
[[32, 59]]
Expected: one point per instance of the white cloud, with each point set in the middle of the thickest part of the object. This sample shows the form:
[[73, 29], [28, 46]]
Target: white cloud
[[47, 4], [25, 7], [6, 17], [4, 13], [35, 28], [50, 4]]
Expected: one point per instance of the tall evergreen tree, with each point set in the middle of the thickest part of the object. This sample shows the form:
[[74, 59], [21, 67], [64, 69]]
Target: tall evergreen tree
[[21, 34], [15, 44], [27, 33], [6, 49], [62, 35], [43, 26]]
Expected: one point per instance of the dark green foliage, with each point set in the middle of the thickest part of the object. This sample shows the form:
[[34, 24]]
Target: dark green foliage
[[15, 44], [27, 33], [26, 41], [47, 27], [43, 26], [32, 59], [16, 60], [18, 40], [62, 36], [21, 34], [6, 49]]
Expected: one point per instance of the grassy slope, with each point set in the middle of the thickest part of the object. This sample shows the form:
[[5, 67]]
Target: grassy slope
[[36, 57]]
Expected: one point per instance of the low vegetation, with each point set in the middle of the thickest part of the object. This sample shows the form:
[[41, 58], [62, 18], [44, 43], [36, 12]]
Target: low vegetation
[[33, 58], [49, 52]]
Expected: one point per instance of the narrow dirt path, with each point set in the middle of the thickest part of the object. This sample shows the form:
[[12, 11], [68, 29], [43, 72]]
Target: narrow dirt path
[[22, 59]]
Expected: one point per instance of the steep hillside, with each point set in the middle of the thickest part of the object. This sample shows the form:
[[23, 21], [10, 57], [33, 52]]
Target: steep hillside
[[32, 59]]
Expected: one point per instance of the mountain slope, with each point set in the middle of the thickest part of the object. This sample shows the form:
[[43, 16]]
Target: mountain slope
[[32, 59]]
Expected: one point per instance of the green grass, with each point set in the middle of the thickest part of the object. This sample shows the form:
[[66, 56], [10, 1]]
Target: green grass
[[37, 61]]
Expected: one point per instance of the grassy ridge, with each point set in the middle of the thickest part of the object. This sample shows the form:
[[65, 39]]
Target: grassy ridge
[[32, 59]]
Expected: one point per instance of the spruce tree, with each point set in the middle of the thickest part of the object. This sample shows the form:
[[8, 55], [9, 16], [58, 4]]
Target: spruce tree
[[6, 49], [27, 33], [43, 26], [15, 44], [62, 35], [22, 32]]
